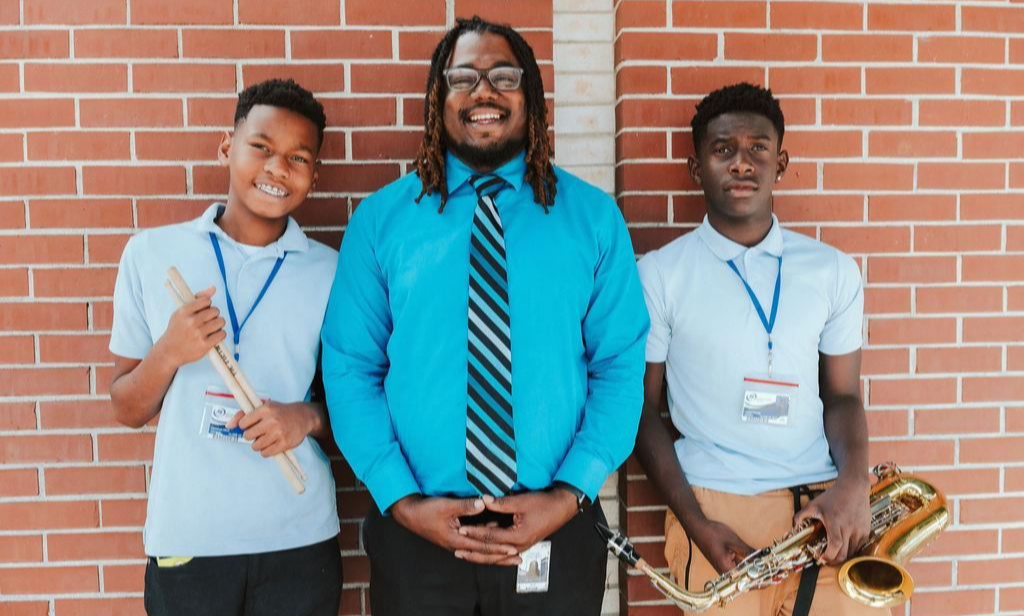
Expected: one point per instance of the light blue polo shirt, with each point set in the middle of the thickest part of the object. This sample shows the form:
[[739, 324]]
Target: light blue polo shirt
[[706, 330], [210, 497]]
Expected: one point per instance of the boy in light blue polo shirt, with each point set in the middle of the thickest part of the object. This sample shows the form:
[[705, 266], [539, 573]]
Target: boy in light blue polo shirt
[[756, 330], [225, 532]]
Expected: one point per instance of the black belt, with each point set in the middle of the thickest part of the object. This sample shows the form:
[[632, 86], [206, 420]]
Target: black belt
[[809, 576]]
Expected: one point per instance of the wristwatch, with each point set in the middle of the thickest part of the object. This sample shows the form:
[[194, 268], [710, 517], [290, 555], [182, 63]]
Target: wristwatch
[[582, 500]]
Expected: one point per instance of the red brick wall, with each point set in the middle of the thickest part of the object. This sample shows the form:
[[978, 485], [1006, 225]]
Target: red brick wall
[[110, 113], [906, 133]]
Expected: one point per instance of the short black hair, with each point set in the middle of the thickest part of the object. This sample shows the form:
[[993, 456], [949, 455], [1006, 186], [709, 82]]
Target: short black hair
[[286, 94], [737, 98]]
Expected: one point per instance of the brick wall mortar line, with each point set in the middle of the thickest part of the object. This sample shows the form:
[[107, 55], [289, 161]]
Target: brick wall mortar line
[[959, 401], [244, 27], [86, 257], [181, 62], [74, 595], [913, 98]]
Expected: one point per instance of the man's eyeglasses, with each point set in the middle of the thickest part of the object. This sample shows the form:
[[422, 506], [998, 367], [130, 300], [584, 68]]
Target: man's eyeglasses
[[503, 78]]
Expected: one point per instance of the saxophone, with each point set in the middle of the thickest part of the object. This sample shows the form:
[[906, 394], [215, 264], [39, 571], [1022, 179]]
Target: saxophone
[[907, 513]]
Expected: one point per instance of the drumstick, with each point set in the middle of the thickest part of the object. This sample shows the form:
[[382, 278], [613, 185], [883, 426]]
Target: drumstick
[[178, 281], [225, 365], [257, 401], [183, 290], [229, 372]]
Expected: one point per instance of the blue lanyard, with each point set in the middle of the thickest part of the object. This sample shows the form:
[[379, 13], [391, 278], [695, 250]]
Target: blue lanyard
[[236, 327], [769, 323]]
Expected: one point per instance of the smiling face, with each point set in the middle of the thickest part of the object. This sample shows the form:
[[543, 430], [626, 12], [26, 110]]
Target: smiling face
[[272, 157], [736, 165], [484, 127]]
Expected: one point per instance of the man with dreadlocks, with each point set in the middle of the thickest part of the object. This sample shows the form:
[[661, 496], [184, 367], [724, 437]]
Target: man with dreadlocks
[[756, 331], [483, 352]]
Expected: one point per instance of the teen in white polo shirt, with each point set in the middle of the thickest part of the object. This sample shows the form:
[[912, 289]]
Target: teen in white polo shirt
[[757, 332], [225, 532]]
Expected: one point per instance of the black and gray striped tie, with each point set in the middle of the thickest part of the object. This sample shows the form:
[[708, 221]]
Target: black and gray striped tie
[[490, 432]]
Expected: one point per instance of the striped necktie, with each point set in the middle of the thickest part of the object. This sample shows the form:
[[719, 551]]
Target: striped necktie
[[490, 433]]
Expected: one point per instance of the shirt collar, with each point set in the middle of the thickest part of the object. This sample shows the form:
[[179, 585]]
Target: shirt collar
[[293, 239], [727, 250], [458, 172]]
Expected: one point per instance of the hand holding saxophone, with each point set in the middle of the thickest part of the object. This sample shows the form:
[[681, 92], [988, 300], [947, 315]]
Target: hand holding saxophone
[[720, 544], [844, 510]]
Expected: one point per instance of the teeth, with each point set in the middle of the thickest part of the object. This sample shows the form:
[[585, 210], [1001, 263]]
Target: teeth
[[271, 190], [485, 117]]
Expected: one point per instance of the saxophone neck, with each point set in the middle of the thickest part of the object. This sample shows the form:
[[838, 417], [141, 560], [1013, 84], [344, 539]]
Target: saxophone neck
[[624, 550], [690, 602]]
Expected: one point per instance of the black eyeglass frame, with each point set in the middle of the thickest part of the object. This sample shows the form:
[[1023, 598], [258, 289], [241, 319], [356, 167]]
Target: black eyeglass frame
[[480, 74]]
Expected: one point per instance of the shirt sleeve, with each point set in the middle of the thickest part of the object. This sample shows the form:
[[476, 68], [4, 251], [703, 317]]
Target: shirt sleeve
[[614, 332], [843, 332], [654, 295], [130, 335], [357, 327]]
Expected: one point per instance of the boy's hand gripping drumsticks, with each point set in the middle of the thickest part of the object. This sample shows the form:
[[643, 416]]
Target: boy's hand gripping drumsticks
[[236, 382]]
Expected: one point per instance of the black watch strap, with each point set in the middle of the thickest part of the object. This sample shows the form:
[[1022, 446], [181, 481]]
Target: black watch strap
[[582, 500]]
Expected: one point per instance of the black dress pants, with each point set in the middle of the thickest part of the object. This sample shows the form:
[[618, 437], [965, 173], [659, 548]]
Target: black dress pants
[[302, 581], [409, 576]]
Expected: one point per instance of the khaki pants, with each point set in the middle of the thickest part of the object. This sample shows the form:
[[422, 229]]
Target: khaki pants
[[759, 520]]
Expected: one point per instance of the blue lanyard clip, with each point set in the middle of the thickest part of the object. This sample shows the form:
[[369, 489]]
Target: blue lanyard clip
[[768, 323], [236, 327]]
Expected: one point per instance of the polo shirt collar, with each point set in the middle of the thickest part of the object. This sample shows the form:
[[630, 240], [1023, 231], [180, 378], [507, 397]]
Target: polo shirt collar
[[458, 172], [293, 239], [727, 250]]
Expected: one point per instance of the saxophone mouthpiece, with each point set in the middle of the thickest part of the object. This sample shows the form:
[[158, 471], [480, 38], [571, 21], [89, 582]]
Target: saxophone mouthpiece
[[618, 545]]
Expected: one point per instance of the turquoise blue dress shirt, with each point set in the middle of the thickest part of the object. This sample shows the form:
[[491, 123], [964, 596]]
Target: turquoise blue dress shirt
[[395, 336]]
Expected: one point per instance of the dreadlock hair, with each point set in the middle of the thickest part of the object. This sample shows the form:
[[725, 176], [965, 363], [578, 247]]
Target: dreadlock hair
[[430, 160], [285, 94], [737, 98]]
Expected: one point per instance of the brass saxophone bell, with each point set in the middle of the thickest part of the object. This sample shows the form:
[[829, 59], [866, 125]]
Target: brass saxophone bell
[[874, 581], [917, 513]]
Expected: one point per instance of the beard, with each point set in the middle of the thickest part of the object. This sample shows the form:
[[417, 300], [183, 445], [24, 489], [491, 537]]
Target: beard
[[488, 157]]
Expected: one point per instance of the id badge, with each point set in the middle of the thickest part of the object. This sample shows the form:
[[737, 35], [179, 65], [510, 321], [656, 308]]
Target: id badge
[[769, 400], [534, 570], [218, 408]]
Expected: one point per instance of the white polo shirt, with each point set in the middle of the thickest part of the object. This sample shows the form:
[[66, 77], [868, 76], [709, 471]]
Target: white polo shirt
[[210, 497], [704, 327]]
